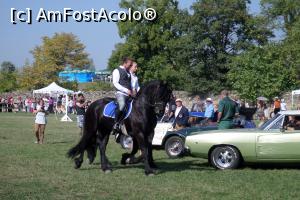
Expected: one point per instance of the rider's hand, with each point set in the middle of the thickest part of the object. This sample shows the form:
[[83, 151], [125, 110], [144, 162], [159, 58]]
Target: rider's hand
[[129, 92]]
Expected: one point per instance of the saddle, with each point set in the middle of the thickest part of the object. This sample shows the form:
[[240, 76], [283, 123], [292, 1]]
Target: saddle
[[110, 109]]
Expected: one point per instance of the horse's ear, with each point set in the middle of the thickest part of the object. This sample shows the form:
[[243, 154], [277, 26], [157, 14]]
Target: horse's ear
[[164, 82]]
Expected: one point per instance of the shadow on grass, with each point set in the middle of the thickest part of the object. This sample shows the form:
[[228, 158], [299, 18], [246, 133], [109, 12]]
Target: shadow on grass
[[272, 166], [61, 142], [163, 166]]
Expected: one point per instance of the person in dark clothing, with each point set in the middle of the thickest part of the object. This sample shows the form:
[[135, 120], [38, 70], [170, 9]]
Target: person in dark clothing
[[80, 110], [181, 115], [51, 105], [226, 111]]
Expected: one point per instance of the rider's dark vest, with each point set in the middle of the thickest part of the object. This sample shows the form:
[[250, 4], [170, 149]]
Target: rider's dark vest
[[125, 78]]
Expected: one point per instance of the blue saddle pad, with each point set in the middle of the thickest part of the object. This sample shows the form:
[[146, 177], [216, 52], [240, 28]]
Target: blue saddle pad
[[110, 108]]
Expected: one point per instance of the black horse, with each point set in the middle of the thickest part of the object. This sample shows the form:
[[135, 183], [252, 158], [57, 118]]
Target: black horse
[[140, 126]]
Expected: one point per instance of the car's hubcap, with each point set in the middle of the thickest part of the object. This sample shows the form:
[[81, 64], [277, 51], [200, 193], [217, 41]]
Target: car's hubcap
[[175, 148], [224, 158], [127, 142]]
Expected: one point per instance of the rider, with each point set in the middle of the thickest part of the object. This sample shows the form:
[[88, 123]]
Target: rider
[[134, 79], [122, 82]]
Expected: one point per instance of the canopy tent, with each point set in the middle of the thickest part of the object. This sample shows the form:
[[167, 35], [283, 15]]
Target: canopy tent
[[294, 92], [53, 88]]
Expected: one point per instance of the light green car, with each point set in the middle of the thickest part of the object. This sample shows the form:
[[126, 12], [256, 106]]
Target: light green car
[[277, 141]]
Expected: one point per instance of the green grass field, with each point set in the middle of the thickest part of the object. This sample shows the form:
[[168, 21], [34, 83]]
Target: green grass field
[[32, 171]]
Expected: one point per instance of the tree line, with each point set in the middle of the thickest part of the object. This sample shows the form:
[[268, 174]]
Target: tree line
[[214, 45]]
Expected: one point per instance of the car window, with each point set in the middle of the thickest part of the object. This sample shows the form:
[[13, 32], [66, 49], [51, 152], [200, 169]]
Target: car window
[[292, 123], [267, 123], [277, 124]]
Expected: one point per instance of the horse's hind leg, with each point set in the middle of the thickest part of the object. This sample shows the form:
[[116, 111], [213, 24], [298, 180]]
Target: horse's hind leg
[[92, 151], [102, 142]]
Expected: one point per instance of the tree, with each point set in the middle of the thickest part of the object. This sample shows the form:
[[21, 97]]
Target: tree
[[191, 50], [285, 14], [282, 12], [262, 71], [220, 30], [150, 43], [8, 67], [8, 80], [56, 53]]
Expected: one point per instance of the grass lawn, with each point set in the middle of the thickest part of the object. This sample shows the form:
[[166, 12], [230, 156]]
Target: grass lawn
[[32, 171]]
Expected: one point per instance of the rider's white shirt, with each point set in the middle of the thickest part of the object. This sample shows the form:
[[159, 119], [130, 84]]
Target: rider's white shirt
[[134, 82], [116, 78]]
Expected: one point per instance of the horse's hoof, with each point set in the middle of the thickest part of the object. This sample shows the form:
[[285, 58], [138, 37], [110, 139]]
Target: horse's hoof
[[107, 171], [90, 161], [150, 174], [124, 158], [77, 164], [127, 161], [76, 167], [154, 166]]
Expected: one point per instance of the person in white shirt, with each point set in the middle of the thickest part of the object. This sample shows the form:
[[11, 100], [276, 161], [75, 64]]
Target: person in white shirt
[[134, 79], [283, 105], [122, 82], [40, 122], [70, 105]]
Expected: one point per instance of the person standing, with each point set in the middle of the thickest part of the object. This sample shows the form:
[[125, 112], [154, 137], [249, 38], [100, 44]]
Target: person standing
[[70, 105], [226, 111], [276, 105], [40, 122], [1, 104], [181, 116], [51, 105], [122, 82], [80, 110], [197, 105], [209, 111], [283, 105]]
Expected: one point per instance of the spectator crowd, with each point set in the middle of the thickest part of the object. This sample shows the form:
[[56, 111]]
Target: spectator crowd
[[29, 104]]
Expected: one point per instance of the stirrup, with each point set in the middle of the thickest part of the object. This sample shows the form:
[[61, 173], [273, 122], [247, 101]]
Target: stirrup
[[117, 137]]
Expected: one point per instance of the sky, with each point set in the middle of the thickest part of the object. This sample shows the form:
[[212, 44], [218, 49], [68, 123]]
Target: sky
[[17, 40]]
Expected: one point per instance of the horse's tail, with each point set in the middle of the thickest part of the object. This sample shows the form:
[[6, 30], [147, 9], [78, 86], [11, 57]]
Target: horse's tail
[[89, 132]]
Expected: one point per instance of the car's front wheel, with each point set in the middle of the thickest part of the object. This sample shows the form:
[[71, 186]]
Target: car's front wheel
[[225, 157], [126, 142], [174, 147]]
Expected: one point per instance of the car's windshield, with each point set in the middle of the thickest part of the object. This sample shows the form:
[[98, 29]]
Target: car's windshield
[[267, 123]]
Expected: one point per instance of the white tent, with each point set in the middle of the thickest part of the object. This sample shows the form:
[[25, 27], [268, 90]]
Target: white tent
[[52, 89], [294, 92]]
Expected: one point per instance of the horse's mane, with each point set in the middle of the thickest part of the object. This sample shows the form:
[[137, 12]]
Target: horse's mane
[[147, 88]]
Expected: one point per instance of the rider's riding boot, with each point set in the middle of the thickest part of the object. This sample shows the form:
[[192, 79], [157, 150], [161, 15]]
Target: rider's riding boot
[[117, 126]]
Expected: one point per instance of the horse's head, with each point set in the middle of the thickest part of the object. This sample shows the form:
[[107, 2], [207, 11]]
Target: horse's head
[[158, 94]]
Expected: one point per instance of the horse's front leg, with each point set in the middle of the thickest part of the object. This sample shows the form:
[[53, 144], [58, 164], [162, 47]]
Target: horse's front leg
[[102, 141], [150, 150], [145, 147], [129, 158]]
